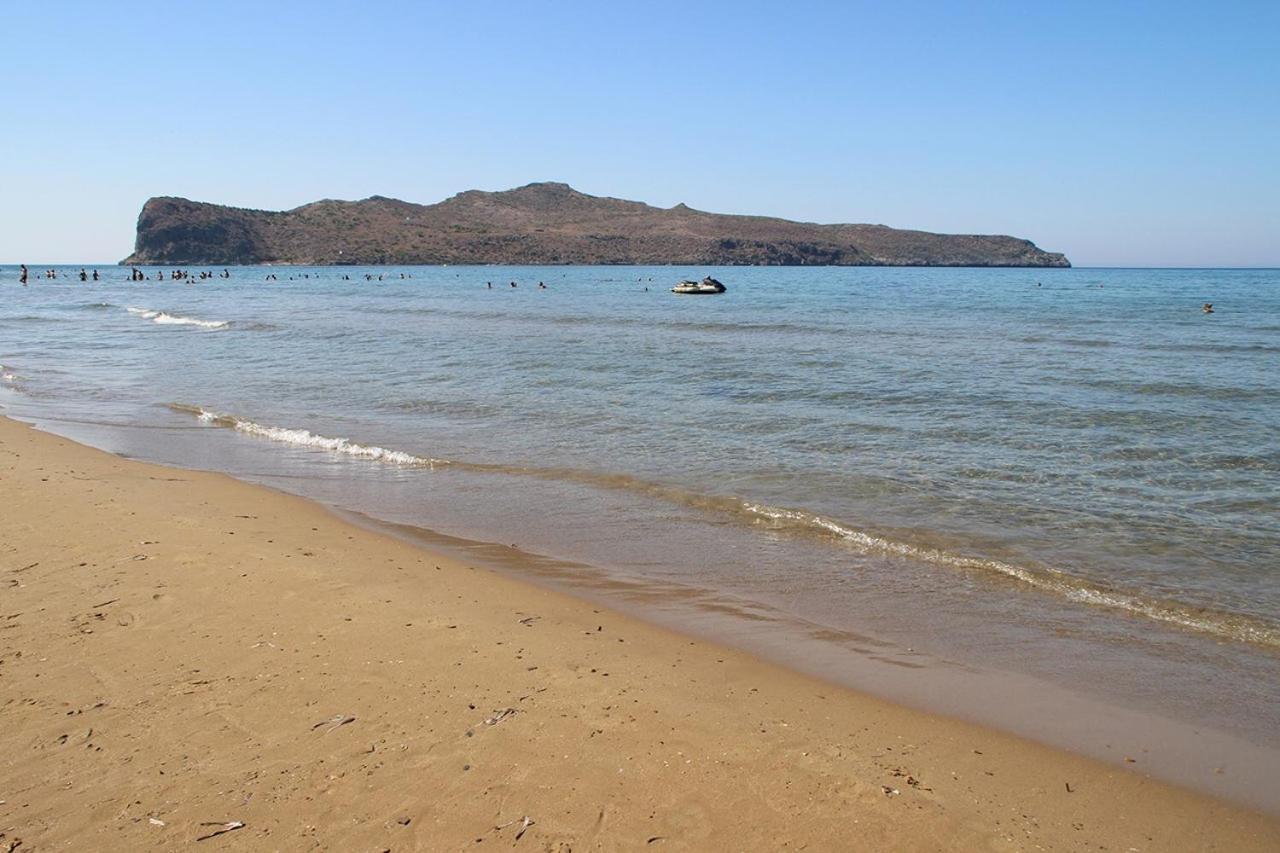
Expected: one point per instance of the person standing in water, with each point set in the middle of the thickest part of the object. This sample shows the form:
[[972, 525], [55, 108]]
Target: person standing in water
[[22, 277]]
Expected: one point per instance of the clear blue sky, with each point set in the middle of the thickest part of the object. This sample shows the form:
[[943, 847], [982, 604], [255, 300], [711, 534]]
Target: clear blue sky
[[1119, 133]]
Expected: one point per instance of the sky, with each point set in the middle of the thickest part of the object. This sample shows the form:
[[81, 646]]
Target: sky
[[1122, 134]]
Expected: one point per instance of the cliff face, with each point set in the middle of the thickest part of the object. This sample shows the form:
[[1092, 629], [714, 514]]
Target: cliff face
[[541, 224]]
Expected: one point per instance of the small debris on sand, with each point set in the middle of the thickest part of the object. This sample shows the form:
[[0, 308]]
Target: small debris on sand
[[334, 722], [223, 828], [525, 822], [500, 715]]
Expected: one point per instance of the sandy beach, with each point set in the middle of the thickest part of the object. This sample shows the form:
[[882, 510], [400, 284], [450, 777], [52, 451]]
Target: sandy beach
[[188, 659]]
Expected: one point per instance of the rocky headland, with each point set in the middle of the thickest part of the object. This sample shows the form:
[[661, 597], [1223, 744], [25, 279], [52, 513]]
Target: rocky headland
[[542, 223]]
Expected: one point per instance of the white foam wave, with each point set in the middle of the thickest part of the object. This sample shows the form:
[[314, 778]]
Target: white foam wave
[[174, 320], [1047, 580], [876, 543], [306, 438]]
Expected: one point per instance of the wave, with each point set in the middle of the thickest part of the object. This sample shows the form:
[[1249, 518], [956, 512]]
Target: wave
[[304, 438], [12, 381], [1171, 389], [613, 321], [451, 408], [1207, 620], [1222, 624], [1216, 348], [173, 320]]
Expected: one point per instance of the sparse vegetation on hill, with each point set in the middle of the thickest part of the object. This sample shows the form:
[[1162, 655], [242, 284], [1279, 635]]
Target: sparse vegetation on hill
[[545, 223]]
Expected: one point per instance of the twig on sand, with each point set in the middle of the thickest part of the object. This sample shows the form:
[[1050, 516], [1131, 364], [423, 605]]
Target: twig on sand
[[500, 715], [334, 722], [223, 828], [525, 822]]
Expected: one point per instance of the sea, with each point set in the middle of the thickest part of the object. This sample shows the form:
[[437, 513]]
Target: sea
[[1044, 500]]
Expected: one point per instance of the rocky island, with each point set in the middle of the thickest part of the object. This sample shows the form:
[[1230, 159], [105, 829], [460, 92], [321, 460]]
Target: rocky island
[[542, 223]]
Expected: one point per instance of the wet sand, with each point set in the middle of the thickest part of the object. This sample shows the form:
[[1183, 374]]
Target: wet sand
[[181, 653]]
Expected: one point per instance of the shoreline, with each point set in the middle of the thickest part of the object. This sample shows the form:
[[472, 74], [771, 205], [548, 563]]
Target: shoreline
[[1213, 762], [181, 647], [1205, 753]]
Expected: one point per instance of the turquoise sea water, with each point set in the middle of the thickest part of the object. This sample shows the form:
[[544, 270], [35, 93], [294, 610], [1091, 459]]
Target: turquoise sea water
[[887, 476]]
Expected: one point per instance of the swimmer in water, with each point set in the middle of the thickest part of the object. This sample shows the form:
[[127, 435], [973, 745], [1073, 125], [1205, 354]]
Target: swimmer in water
[[1208, 308]]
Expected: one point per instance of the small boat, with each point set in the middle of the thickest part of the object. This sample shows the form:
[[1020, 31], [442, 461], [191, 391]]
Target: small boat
[[707, 286]]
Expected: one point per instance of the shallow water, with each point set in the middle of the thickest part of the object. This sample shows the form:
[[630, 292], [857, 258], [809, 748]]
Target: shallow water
[[1060, 483]]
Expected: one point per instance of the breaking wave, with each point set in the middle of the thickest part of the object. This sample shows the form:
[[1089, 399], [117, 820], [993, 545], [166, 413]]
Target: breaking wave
[[1207, 620], [305, 438], [1222, 624], [173, 320], [12, 381]]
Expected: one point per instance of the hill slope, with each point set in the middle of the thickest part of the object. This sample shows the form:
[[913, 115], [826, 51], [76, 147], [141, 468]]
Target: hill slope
[[545, 223]]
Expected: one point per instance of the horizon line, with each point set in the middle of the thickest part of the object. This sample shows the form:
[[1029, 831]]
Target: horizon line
[[1262, 267]]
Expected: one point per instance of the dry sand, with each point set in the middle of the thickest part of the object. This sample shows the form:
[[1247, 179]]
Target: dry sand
[[179, 651]]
